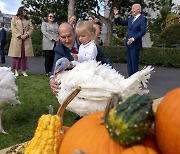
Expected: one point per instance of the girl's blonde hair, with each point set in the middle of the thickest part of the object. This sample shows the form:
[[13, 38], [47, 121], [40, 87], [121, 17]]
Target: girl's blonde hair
[[85, 26]]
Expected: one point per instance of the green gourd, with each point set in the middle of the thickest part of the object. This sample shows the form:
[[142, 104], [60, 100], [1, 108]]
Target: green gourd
[[129, 121]]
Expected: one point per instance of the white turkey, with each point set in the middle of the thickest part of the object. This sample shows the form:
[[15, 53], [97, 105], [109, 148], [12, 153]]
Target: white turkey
[[8, 91], [98, 82]]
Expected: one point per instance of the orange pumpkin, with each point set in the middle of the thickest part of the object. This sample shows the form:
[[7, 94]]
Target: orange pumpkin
[[167, 123], [88, 136], [139, 149]]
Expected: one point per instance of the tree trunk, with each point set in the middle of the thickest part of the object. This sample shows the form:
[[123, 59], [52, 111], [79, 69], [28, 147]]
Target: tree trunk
[[109, 34], [108, 21], [71, 7]]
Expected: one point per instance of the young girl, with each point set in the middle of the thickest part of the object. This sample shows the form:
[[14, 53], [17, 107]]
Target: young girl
[[86, 34]]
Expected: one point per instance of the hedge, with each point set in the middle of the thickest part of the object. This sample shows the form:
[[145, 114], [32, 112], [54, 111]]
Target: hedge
[[169, 57], [170, 35]]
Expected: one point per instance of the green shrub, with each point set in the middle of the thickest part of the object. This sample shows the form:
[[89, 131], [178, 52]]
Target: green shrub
[[155, 26], [172, 57], [170, 35], [8, 40], [120, 37], [152, 56], [37, 48], [37, 42], [169, 57], [115, 54], [117, 41]]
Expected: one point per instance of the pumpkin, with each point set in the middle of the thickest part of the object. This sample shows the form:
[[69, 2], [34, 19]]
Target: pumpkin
[[129, 121], [167, 123], [88, 136], [139, 149], [48, 137]]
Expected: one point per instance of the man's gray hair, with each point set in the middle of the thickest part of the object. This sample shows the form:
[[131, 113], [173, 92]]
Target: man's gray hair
[[138, 5]]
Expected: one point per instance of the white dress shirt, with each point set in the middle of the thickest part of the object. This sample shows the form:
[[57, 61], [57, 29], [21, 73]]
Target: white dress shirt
[[135, 17]]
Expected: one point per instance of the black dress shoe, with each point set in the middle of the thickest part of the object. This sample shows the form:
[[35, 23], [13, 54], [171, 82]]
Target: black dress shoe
[[2, 62]]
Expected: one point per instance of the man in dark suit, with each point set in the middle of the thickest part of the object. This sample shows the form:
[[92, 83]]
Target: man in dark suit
[[64, 49], [2, 42], [137, 26]]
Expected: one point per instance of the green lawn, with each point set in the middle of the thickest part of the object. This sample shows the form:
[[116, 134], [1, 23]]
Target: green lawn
[[20, 121]]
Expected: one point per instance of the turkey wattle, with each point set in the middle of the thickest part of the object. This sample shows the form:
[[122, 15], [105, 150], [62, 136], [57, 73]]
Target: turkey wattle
[[8, 91], [98, 82]]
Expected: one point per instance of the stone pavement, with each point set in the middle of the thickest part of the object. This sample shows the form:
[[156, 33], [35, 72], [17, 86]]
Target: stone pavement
[[162, 80]]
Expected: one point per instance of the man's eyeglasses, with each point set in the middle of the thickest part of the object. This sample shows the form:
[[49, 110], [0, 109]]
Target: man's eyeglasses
[[25, 10]]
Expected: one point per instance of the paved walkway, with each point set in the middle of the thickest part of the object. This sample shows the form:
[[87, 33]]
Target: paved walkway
[[162, 80]]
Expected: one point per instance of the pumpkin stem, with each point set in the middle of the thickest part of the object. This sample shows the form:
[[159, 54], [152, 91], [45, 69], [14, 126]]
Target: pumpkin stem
[[51, 110], [114, 100], [64, 104]]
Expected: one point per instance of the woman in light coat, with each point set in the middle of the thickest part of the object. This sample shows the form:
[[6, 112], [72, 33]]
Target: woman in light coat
[[50, 37], [21, 44]]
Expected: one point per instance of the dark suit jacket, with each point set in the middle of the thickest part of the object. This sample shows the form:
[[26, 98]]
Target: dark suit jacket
[[2, 37], [62, 51], [137, 30]]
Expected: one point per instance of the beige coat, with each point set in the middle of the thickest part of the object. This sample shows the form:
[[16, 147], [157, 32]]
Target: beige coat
[[16, 42]]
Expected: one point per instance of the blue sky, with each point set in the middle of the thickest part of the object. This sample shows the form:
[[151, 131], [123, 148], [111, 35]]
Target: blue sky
[[9, 6]]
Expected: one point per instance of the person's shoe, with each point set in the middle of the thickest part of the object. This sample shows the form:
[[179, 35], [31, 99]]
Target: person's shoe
[[24, 73], [47, 74], [3, 62], [16, 73]]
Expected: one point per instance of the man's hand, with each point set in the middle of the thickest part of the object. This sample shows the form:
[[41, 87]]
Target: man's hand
[[54, 85], [130, 41], [115, 10]]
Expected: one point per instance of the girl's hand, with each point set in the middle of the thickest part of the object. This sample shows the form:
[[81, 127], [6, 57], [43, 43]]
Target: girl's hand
[[70, 65], [75, 56]]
